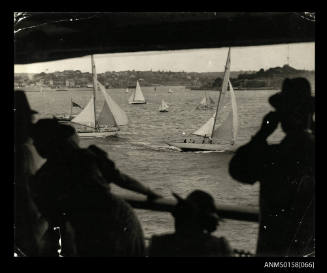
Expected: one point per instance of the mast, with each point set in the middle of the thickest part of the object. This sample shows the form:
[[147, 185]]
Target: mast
[[135, 90], [95, 85], [224, 85], [205, 94], [71, 106]]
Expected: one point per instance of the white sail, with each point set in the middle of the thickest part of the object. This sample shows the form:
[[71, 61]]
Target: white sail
[[206, 129], [224, 85], [86, 116], [204, 101], [163, 106], [118, 114], [131, 98], [225, 130], [210, 101], [127, 90], [138, 93], [228, 129], [106, 118]]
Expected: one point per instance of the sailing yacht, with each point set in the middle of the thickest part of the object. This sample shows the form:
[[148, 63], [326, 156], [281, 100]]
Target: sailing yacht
[[137, 95], [163, 107], [222, 138], [107, 122], [170, 91], [206, 103]]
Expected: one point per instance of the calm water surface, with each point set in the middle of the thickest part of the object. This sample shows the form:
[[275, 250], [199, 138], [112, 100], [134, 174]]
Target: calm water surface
[[141, 152]]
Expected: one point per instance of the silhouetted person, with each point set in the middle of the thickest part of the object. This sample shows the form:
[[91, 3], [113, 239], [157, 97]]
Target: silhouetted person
[[286, 172], [195, 219], [29, 225], [72, 190], [185, 141]]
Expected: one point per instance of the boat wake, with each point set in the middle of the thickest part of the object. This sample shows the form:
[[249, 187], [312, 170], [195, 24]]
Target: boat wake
[[209, 152], [154, 147]]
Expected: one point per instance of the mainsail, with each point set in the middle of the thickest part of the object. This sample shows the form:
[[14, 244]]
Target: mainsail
[[224, 85], [106, 118], [118, 114], [228, 129], [211, 101], [234, 109], [137, 95], [204, 101], [163, 106]]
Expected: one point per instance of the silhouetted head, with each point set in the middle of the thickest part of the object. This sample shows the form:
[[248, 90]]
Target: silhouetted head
[[23, 116], [294, 104], [51, 137], [196, 214]]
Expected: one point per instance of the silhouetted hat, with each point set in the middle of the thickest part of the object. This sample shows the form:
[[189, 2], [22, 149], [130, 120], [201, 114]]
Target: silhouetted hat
[[199, 200], [295, 93], [21, 103], [50, 130]]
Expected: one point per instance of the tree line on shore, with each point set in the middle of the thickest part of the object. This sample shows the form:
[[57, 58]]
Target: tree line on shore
[[270, 78]]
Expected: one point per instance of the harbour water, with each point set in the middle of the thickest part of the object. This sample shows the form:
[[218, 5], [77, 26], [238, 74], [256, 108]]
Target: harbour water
[[141, 151]]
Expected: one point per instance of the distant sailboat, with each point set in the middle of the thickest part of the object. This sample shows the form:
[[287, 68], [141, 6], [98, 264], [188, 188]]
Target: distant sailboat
[[170, 91], [126, 90], [137, 95], [206, 103], [107, 122], [163, 107], [223, 137]]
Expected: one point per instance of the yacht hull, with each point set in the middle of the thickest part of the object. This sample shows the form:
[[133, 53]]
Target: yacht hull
[[193, 147], [97, 134], [137, 102]]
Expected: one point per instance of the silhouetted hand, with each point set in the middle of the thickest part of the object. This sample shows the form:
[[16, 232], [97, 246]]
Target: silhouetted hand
[[153, 196], [269, 124]]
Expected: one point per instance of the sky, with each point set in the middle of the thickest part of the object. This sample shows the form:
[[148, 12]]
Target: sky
[[299, 56]]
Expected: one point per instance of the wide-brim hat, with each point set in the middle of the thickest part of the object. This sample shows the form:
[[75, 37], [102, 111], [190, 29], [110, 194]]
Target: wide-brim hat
[[51, 131], [296, 93], [200, 201], [21, 103]]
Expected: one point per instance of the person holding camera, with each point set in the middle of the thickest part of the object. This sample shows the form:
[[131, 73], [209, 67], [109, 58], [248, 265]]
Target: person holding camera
[[286, 172]]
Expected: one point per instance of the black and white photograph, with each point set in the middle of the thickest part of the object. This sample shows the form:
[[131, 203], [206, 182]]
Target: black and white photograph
[[164, 134]]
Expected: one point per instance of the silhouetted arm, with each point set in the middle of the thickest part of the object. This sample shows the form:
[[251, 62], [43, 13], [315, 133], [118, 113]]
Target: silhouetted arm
[[130, 183], [248, 163], [112, 174]]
